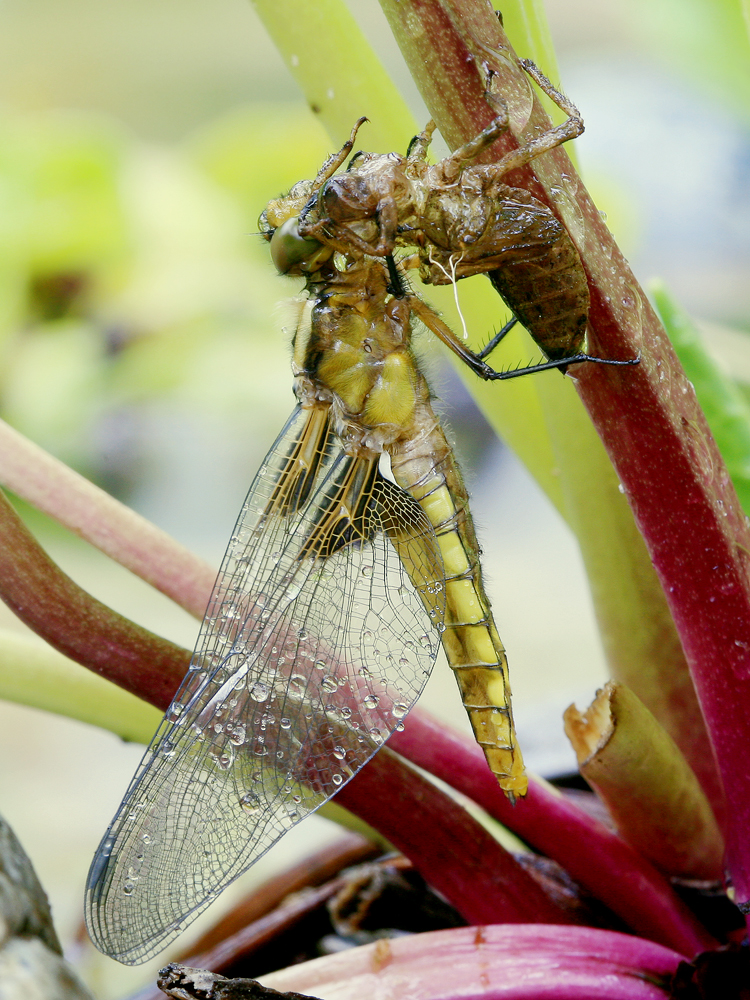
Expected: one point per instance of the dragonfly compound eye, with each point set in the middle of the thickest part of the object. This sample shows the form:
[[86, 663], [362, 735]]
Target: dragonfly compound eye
[[292, 253]]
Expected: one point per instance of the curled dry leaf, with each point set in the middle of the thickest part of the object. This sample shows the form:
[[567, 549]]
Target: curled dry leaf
[[646, 783]]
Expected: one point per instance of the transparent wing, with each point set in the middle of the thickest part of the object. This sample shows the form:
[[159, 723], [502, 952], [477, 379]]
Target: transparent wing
[[320, 634]]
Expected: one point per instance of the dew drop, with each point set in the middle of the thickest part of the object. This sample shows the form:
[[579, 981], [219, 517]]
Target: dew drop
[[371, 701], [259, 691], [175, 710], [337, 779], [339, 753], [237, 736], [251, 803], [128, 888], [297, 685]]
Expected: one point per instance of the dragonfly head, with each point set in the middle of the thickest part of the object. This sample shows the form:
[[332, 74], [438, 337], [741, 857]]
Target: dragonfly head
[[294, 254]]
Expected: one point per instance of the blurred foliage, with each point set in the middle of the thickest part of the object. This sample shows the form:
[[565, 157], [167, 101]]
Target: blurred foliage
[[705, 40], [126, 275]]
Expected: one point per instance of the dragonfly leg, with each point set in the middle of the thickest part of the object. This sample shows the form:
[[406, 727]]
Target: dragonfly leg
[[475, 361], [561, 364], [500, 335], [421, 143], [556, 136], [396, 282], [449, 169], [335, 160]]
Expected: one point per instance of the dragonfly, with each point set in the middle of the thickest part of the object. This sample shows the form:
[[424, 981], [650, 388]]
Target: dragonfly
[[353, 559]]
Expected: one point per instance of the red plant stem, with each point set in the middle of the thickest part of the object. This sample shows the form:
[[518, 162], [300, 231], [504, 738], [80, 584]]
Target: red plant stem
[[456, 40], [596, 858], [451, 850], [648, 417], [78, 625], [491, 963]]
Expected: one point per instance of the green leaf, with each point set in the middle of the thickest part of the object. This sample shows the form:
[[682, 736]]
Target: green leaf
[[726, 410]]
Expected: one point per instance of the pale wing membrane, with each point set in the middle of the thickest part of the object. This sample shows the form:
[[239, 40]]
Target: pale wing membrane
[[319, 637]]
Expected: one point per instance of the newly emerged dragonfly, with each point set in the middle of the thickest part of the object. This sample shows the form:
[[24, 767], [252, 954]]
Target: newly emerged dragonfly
[[353, 558], [337, 587]]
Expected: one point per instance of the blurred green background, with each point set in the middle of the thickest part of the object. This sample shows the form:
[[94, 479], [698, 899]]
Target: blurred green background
[[141, 332]]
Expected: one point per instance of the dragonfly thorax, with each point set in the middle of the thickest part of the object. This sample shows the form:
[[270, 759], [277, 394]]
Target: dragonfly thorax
[[356, 352]]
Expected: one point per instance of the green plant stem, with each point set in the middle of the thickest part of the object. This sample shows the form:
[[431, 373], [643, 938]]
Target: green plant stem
[[34, 674], [337, 70], [640, 641]]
